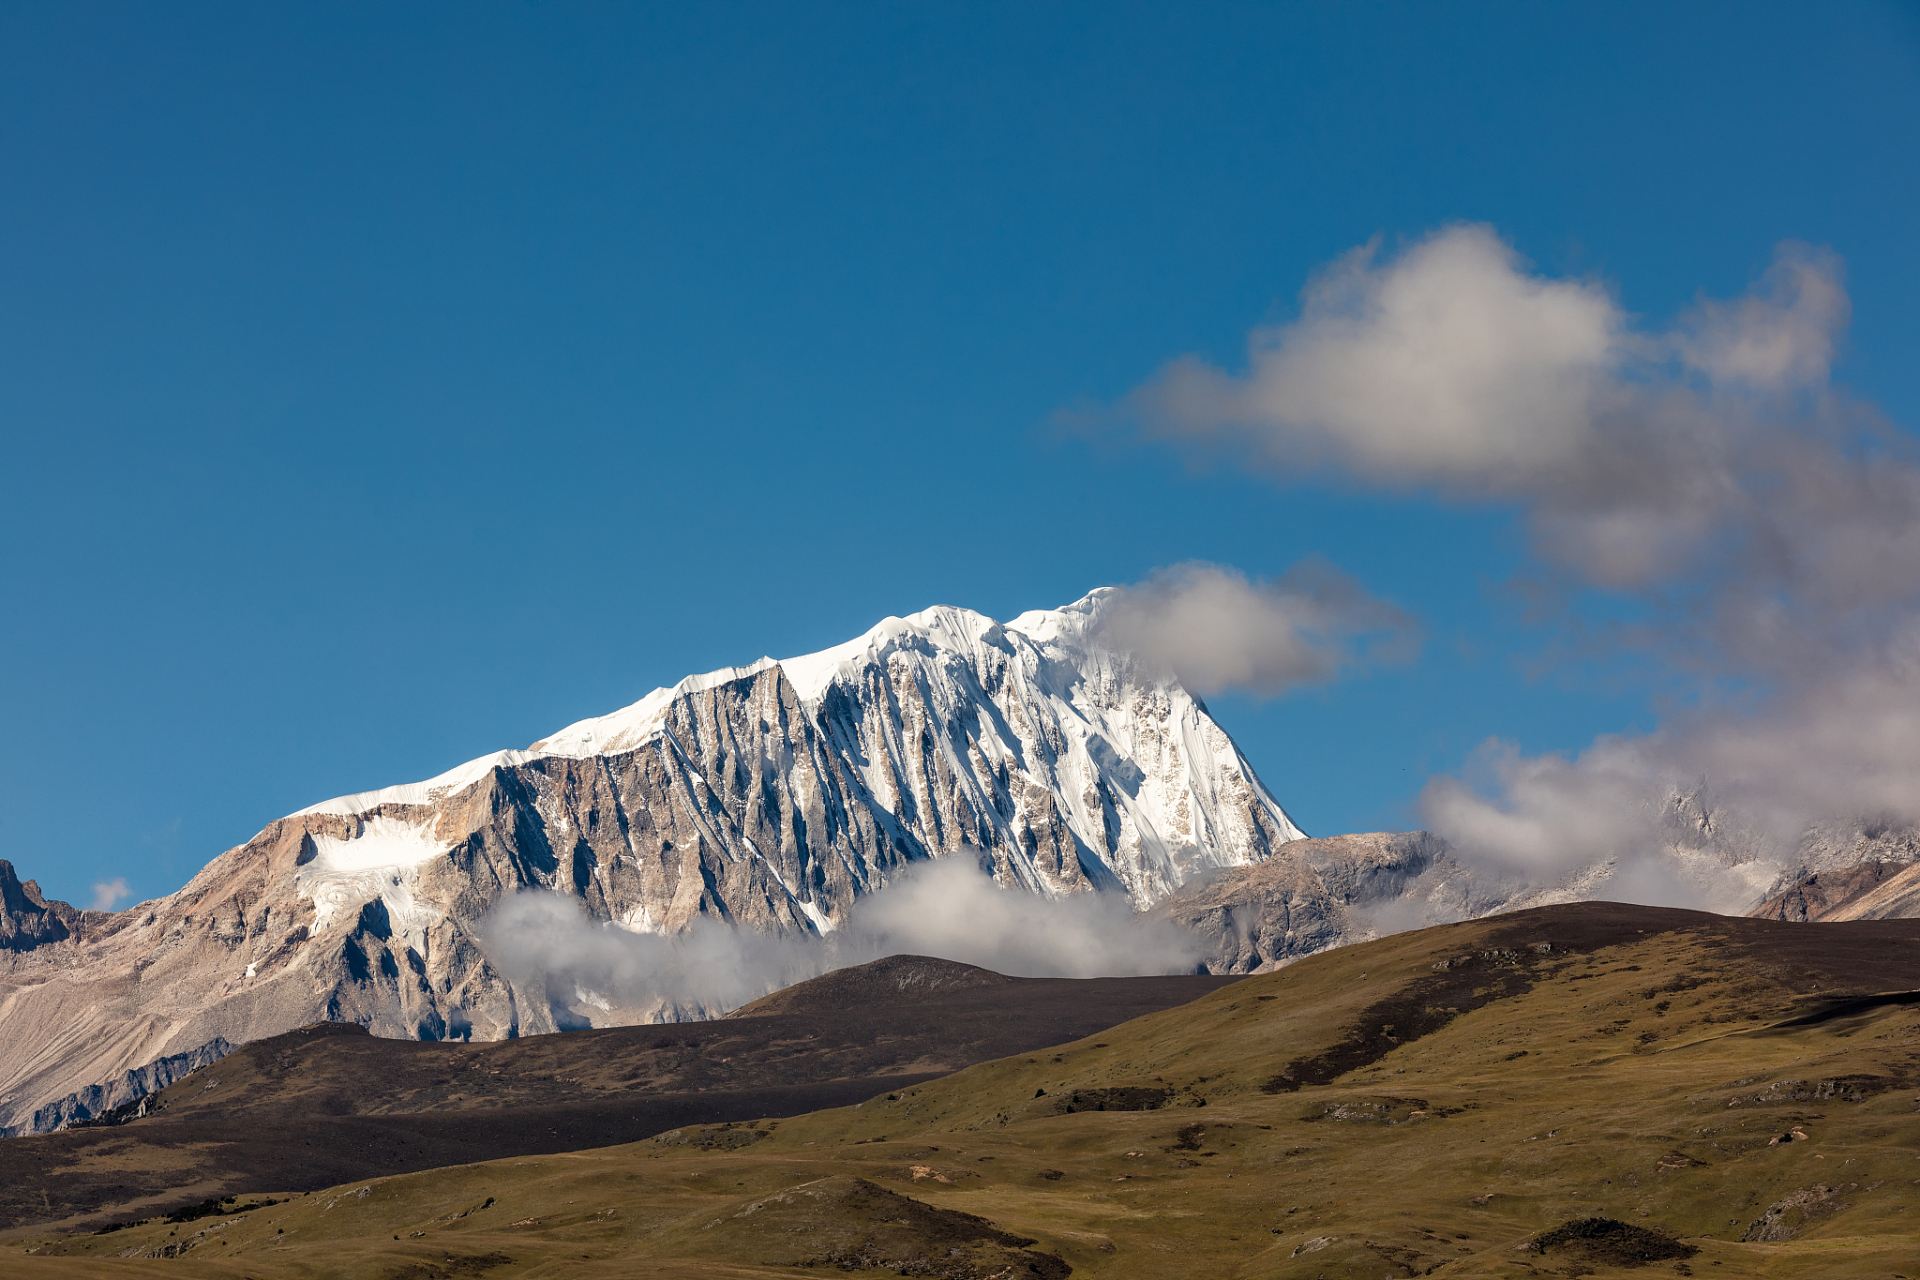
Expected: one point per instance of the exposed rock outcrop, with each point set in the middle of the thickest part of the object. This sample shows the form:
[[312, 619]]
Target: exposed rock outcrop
[[1786, 1216], [1737, 868], [1316, 894], [27, 918], [1873, 890], [101, 1099]]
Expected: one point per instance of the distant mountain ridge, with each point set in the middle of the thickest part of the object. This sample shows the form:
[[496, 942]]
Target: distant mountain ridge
[[772, 795]]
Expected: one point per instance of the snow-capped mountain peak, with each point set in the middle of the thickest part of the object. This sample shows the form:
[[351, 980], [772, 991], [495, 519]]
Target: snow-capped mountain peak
[[1146, 785], [772, 796]]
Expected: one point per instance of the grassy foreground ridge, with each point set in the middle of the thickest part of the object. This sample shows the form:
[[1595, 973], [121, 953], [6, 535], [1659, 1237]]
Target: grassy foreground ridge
[[1591, 1089]]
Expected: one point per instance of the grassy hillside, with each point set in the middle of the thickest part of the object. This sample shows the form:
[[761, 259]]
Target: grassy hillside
[[329, 1103], [1435, 1102]]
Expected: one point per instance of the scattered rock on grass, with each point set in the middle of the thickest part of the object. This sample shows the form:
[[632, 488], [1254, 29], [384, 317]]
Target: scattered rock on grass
[[1785, 1217]]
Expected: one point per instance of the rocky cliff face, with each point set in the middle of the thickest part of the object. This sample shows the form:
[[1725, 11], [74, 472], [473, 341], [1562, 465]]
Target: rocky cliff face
[[1316, 894], [29, 920], [1835, 870], [772, 796], [112, 1101], [1872, 890]]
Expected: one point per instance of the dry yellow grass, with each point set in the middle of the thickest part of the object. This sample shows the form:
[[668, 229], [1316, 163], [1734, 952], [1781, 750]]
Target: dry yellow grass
[[1633, 1081]]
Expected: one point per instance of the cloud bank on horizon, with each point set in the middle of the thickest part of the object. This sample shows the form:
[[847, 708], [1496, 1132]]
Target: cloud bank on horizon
[[1767, 525]]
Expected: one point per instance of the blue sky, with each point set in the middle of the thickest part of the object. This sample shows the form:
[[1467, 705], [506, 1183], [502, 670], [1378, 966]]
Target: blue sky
[[382, 387]]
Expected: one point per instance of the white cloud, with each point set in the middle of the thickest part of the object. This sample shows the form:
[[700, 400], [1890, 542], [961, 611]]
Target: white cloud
[[1449, 366], [1544, 816], [1779, 336], [110, 893], [950, 908], [1768, 527], [947, 908], [1218, 630], [1640, 457]]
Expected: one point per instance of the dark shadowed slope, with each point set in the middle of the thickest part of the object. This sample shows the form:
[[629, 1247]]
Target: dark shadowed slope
[[883, 982], [330, 1103]]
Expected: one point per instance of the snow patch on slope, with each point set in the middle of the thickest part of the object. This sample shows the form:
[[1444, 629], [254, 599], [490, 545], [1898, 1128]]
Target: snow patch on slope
[[955, 630], [456, 779], [383, 861], [630, 727]]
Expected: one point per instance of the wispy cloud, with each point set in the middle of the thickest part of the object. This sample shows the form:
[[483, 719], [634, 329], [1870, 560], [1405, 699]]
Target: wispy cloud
[[949, 908], [1217, 629], [109, 894], [952, 909]]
